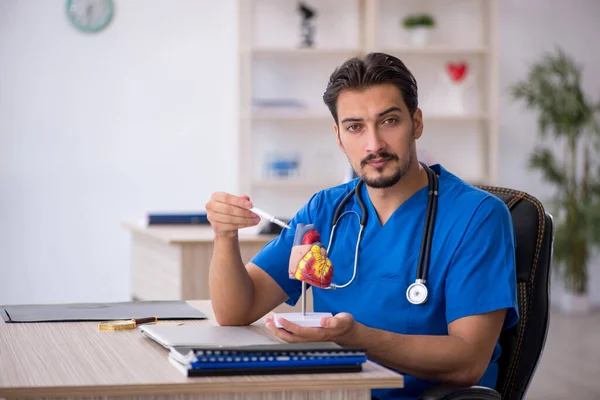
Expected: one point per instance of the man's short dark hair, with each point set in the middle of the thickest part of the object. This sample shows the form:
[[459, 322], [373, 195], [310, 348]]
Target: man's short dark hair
[[373, 69]]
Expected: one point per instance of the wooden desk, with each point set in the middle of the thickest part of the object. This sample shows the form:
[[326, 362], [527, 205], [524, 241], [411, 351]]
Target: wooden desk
[[76, 360], [172, 262]]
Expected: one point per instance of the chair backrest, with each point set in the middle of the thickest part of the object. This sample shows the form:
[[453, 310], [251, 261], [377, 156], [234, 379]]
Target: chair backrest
[[523, 344]]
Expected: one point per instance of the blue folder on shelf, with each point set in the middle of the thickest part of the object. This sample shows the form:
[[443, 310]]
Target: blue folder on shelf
[[267, 359], [177, 219]]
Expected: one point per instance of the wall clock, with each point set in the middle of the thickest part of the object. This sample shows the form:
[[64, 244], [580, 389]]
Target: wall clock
[[90, 15]]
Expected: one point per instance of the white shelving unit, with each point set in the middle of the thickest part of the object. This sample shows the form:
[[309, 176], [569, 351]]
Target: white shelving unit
[[273, 67]]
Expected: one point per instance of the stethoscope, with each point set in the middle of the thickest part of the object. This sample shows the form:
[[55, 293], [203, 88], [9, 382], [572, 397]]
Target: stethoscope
[[417, 292]]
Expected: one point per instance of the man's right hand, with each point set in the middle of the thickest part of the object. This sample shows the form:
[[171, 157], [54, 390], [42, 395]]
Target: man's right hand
[[228, 213]]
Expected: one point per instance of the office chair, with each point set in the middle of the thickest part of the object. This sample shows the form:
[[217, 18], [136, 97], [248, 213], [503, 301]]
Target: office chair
[[522, 345]]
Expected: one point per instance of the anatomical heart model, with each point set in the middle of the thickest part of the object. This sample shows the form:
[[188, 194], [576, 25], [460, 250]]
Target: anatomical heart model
[[309, 264], [308, 261]]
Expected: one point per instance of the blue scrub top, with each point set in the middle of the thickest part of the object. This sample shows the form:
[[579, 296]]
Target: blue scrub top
[[472, 268]]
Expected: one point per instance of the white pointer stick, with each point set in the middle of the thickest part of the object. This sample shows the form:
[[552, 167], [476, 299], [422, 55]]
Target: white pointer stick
[[270, 217]]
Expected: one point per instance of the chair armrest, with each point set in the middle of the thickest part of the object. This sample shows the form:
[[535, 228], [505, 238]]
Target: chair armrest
[[448, 392]]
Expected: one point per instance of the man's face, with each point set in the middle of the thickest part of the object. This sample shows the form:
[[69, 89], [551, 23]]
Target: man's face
[[377, 134]]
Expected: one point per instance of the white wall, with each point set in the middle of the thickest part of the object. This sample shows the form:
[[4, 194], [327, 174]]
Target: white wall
[[95, 129], [526, 30]]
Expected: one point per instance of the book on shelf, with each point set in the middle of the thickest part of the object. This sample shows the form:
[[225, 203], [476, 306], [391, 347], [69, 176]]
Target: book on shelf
[[284, 358], [277, 103], [189, 218]]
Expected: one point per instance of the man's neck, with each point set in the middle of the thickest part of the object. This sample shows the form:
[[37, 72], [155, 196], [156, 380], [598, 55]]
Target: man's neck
[[386, 201]]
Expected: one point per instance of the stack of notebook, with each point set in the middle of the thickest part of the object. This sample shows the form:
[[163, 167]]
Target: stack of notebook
[[282, 358]]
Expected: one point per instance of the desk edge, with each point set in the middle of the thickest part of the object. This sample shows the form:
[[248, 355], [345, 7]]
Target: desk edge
[[133, 227], [200, 385]]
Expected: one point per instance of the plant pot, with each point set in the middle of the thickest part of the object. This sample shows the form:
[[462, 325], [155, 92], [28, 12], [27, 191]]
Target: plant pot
[[419, 36], [575, 304]]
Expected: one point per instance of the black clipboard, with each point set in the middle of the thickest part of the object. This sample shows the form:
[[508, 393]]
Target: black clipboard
[[76, 312]]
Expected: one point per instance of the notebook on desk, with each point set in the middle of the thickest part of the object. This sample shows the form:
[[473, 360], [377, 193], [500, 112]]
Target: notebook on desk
[[264, 369], [281, 358]]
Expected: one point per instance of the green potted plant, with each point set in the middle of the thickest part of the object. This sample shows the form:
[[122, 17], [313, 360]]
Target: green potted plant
[[567, 157], [420, 25]]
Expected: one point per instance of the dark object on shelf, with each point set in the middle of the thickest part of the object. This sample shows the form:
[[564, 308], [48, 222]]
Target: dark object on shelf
[[178, 219], [278, 102], [307, 27]]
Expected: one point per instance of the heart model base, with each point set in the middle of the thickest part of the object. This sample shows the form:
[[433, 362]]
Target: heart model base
[[308, 261]]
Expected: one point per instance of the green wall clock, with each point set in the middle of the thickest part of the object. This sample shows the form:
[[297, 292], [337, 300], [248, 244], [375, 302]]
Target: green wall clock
[[90, 15]]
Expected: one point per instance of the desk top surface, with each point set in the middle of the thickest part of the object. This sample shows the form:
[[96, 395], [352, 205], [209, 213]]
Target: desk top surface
[[75, 358], [188, 234]]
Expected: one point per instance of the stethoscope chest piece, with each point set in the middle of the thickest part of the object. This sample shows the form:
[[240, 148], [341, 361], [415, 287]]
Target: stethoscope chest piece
[[417, 293]]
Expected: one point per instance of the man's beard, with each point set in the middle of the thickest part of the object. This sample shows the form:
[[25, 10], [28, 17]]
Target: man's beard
[[385, 181]]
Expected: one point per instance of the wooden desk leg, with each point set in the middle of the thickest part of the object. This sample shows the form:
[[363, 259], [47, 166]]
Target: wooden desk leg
[[195, 264], [155, 269]]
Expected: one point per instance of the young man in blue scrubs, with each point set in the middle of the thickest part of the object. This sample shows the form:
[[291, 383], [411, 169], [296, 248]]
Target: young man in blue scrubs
[[453, 336]]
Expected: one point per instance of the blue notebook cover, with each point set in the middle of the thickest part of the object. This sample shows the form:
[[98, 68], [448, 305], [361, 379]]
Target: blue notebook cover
[[260, 360], [277, 370], [177, 219], [269, 359]]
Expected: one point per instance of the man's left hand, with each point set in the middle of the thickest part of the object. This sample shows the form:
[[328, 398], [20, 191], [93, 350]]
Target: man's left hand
[[333, 329]]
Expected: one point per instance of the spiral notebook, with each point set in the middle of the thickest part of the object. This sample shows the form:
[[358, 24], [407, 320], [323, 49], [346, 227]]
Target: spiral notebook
[[283, 358]]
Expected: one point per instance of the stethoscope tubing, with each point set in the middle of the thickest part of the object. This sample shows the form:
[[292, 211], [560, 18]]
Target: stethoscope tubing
[[427, 238]]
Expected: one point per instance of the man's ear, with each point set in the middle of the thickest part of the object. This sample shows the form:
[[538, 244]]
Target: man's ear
[[337, 137], [417, 121]]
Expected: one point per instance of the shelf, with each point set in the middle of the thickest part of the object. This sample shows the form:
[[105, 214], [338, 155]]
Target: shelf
[[321, 184], [425, 50], [288, 115], [282, 86], [436, 50], [303, 115], [450, 117], [296, 183], [290, 51]]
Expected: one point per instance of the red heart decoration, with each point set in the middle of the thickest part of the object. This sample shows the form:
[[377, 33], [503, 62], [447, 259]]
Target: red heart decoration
[[457, 71]]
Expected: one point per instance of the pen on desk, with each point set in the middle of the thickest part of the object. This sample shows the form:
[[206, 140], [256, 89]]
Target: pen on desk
[[271, 218]]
